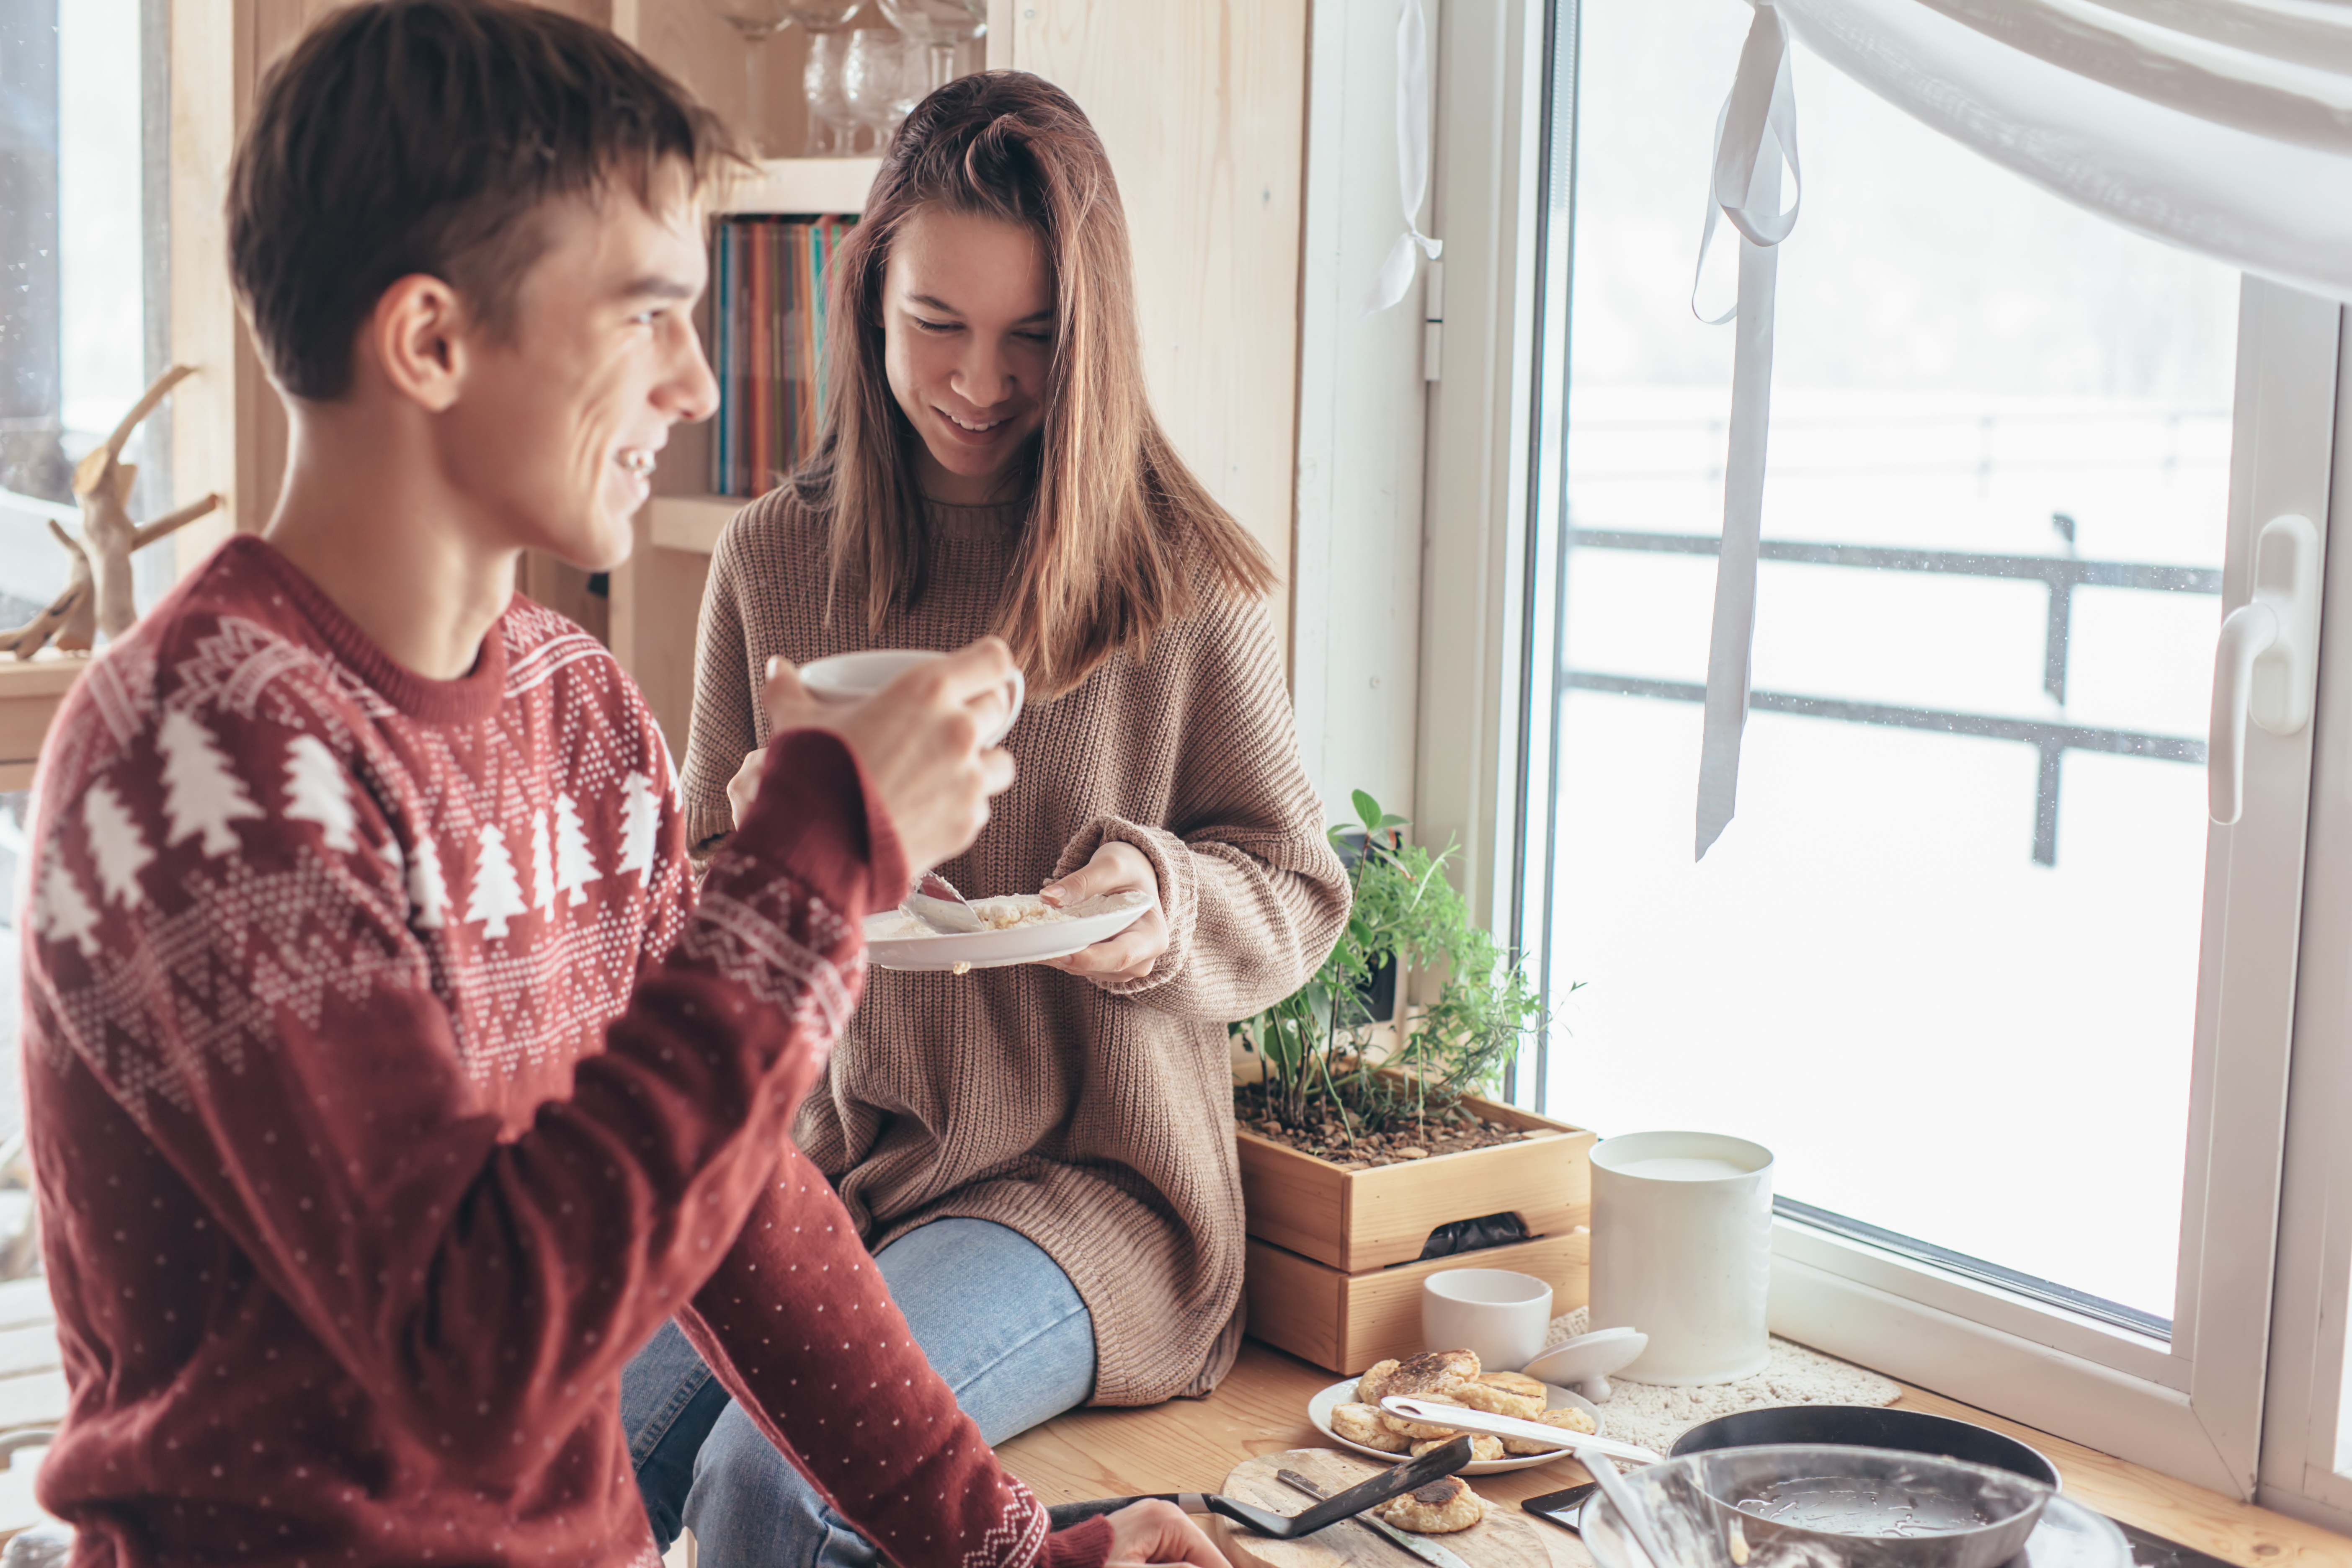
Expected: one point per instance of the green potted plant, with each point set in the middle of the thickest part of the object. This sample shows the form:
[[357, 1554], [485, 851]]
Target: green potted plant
[[1359, 1137]]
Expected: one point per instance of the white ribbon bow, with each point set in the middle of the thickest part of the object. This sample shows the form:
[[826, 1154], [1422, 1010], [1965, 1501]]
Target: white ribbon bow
[[1412, 158], [1756, 130]]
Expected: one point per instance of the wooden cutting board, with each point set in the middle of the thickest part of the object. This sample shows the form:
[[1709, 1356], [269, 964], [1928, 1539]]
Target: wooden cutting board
[[1503, 1538]]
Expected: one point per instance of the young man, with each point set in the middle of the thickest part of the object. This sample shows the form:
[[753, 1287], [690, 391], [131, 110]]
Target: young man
[[388, 1086]]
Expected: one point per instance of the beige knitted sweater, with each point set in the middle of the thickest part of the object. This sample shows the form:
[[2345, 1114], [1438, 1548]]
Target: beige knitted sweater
[[1095, 1120]]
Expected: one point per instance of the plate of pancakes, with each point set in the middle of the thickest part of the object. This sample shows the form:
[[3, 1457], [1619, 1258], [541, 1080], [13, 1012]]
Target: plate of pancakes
[[1349, 1412]]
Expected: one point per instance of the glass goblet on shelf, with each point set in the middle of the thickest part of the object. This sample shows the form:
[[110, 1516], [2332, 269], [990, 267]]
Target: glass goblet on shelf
[[761, 20], [939, 25], [832, 129], [881, 79]]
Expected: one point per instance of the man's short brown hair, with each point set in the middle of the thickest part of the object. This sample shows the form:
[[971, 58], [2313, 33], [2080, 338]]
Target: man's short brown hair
[[407, 136]]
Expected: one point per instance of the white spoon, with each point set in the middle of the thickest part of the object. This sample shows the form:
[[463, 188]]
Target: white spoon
[[1462, 1419]]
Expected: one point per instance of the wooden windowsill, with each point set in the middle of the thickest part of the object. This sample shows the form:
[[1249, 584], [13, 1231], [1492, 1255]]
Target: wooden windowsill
[[1191, 1444], [30, 691]]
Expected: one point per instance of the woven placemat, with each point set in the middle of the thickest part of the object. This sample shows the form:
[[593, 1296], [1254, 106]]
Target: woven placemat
[[1655, 1416]]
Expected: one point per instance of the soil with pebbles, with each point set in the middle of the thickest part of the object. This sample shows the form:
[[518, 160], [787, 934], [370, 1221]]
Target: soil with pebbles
[[1449, 1133]]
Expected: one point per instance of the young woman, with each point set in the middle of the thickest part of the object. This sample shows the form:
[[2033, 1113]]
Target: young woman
[[1041, 1157]]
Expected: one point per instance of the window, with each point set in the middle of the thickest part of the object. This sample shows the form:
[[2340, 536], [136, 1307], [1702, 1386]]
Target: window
[[1966, 882], [1972, 957], [82, 280], [81, 269]]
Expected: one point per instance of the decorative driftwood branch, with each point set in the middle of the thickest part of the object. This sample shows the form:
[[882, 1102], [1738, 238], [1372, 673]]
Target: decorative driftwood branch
[[103, 481], [100, 597], [72, 616]]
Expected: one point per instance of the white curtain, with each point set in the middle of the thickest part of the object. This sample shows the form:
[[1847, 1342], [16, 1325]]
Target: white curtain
[[2220, 126]]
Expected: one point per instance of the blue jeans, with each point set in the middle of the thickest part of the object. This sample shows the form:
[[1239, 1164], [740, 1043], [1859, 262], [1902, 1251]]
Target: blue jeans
[[1000, 1322]]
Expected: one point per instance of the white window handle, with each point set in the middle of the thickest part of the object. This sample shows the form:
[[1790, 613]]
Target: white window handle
[[2267, 666]]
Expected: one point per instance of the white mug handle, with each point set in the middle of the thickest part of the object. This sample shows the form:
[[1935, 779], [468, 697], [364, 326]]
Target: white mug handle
[[1020, 685]]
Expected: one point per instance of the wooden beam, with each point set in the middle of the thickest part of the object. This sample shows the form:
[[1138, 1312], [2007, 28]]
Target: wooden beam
[[228, 428]]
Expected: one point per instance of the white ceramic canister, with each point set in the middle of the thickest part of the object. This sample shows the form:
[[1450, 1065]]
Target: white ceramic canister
[[1681, 1249]]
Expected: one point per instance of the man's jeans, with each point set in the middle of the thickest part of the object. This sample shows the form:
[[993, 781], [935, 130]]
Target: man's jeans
[[998, 1322]]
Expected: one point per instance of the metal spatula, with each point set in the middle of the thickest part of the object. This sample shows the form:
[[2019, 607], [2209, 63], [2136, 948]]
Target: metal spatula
[[1278, 1527]]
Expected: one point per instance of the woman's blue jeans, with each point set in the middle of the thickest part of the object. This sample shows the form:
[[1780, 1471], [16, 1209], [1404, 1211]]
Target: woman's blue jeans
[[1000, 1322]]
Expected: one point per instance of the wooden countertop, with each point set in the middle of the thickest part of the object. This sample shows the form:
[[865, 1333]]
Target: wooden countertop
[[1191, 1444]]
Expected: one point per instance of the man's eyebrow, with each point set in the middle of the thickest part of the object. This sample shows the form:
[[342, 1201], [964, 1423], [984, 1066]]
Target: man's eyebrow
[[657, 286]]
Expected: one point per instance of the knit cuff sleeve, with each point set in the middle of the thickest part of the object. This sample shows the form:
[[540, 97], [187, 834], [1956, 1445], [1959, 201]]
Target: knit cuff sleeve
[[818, 815], [1084, 1546], [1172, 866]]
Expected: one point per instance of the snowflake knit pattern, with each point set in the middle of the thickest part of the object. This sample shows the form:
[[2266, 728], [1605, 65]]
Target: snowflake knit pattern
[[388, 1088]]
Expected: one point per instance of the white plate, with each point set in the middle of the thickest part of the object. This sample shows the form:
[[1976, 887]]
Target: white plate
[[896, 941], [1318, 1410]]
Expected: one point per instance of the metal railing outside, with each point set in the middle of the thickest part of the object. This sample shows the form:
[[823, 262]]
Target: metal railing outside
[[2052, 739]]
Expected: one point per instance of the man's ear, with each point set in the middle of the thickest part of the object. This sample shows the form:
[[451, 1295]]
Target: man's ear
[[416, 336]]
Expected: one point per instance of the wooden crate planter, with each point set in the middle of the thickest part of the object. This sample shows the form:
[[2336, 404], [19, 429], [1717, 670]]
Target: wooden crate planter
[[1348, 1322], [1334, 1268]]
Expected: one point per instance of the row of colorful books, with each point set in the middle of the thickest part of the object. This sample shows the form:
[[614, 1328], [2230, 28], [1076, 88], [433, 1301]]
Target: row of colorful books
[[767, 345]]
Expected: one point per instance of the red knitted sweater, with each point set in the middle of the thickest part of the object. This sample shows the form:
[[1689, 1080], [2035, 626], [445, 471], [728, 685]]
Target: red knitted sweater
[[388, 1087]]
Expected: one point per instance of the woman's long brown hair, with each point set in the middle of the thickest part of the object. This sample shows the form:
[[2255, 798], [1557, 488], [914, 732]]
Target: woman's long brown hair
[[1120, 538]]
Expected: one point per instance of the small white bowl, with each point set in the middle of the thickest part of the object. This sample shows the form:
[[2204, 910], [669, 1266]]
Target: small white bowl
[[1497, 1313]]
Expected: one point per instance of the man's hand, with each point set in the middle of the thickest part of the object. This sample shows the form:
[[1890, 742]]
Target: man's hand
[[1157, 1532], [917, 740], [1116, 868]]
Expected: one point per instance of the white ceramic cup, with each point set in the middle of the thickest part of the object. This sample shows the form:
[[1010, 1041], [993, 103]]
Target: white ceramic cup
[[1681, 1249], [849, 676], [1499, 1315]]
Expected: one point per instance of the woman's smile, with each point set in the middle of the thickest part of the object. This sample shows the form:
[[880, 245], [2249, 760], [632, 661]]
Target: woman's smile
[[976, 433]]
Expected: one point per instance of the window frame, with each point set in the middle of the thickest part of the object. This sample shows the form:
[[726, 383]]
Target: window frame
[[2306, 1432], [2192, 1407]]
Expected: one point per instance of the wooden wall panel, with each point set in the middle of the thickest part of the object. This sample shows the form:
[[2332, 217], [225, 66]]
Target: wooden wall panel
[[1202, 106]]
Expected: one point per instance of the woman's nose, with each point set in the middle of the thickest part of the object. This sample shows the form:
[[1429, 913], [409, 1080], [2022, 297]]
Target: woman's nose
[[984, 378]]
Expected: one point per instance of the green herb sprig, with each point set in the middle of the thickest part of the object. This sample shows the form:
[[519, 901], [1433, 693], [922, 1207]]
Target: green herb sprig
[[1317, 1042]]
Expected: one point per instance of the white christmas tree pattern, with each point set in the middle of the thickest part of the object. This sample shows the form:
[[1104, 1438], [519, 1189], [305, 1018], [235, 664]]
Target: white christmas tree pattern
[[495, 893], [117, 844], [542, 865], [64, 915], [317, 791], [200, 793], [640, 826], [575, 866], [426, 890]]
